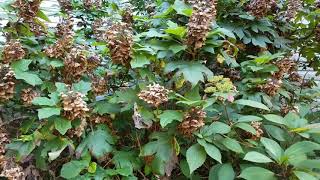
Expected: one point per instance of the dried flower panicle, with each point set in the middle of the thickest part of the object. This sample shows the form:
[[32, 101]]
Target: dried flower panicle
[[9, 168], [61, 47], [127, 16], [74, 106], [155, 95], [78, 131], [65, 5], [7, 83], [204, 12], [293, 7], [75, 65], [99, 85], [259, 131], [93, 62], [64, 28], [89, 4], [285, 66], [193, 120], [271, 87], [27, 9], [120, 40], [260, 8], [27, 96], [317, 32], [12, 51], [295, 77]]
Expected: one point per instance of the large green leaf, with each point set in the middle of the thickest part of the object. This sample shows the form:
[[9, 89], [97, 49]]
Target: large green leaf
[[169, 116], [48, 112], [274, 118], [98, 142], [232, 144], [257, 157], [211, 150], [82, 87], [30, 77], [162, 147], [73, 168], [252, 173], [139, 61], [181, 8], [191, 71], [196, 156], [301, 148], [62, 125], [222, 172], [304, 176], [273, 148], [43, 101], [251, 103]]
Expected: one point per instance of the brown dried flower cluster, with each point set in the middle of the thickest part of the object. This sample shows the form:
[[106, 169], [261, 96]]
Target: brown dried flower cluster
[[65, 5], [260, 8], [317, 32], [74, 106], [271, 87], [193, 120], [98, 33], [27, 9], [293, 8], [61, 47], [285, 109], [285, 66], [93, 62], [64, 28], [9, 168], [120, 39], [259, 131], [75, 65], [99, 85], [78, 131], [204, 12], [27, 96], [155, 95], [12, 51], [127, 16], [7, 83], [89, 4]]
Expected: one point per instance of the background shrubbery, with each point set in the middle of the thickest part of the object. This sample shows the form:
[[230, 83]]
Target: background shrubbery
[[195, 89]]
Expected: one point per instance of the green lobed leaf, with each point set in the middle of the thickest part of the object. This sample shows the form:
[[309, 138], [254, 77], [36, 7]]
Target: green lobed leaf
[[168, 116], [43, 101], [62, 125], [73, 169], [82, 87], [48, 112]]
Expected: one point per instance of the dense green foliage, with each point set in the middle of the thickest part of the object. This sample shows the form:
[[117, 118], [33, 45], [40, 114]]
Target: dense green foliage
[[161, 90]]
